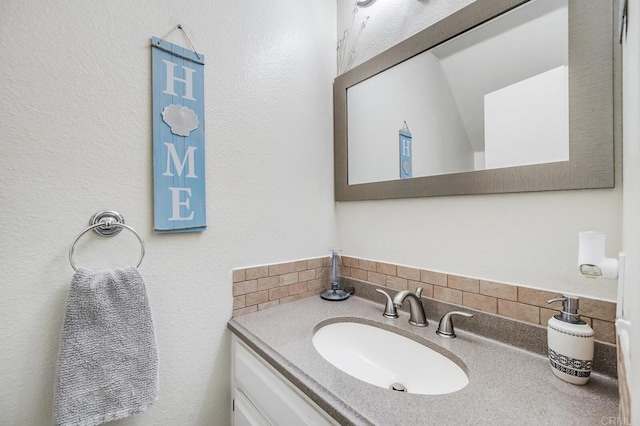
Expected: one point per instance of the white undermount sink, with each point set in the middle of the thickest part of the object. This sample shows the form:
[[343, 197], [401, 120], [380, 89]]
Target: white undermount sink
[[388, 360]]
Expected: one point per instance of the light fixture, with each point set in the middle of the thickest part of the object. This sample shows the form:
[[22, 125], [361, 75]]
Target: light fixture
[[592, 261]]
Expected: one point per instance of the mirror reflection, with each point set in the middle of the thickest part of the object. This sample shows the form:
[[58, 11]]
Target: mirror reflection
[[495, 96]]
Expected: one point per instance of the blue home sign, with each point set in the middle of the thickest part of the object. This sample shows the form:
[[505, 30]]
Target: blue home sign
[[178, 138], [405, 152]]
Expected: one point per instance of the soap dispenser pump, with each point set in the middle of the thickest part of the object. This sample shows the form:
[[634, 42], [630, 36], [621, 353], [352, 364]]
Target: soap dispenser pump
[[570, 342]]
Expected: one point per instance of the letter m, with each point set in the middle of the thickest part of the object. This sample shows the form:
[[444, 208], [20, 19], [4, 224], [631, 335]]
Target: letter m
[[172, 157]]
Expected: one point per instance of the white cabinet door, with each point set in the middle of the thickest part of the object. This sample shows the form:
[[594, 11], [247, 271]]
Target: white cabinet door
[[244, 413], [273, 396]]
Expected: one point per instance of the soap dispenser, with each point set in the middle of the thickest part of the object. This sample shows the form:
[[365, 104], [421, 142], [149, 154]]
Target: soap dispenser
[[570, 342]]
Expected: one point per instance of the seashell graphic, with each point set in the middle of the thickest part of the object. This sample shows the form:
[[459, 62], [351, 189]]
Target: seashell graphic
[[181, 119]]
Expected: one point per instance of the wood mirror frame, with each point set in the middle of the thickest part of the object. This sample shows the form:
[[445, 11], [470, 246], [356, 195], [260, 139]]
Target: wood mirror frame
[[591, 109]]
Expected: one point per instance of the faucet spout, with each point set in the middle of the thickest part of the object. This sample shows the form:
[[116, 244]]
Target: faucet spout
[[417, 316]]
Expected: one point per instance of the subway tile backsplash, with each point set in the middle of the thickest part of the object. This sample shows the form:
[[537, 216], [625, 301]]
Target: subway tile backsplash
[[261, 287]]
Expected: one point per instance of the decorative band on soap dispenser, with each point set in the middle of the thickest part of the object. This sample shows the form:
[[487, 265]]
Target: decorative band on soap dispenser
[[570, 342]]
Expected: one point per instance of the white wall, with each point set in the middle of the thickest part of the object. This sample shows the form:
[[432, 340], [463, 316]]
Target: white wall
[[631, 203], [526, 42], [528, 122], [528, 239], [391, 21], [76, 136]]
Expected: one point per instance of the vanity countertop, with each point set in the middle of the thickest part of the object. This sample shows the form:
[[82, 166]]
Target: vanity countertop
[[506, 385]]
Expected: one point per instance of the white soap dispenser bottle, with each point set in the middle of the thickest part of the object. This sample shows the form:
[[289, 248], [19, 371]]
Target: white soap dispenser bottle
[[570, 342]]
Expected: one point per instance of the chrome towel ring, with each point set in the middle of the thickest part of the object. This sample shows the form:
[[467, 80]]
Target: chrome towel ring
[[106, 223]]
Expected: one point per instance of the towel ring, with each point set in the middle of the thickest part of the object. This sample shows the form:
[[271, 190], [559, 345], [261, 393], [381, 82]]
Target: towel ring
[[107, 224]]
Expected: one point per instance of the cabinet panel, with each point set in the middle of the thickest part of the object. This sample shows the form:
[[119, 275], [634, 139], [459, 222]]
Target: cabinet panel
[[272, 395], [244, 413]]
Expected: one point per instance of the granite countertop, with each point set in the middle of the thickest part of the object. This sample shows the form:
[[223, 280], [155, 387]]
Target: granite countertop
[[506, 385]]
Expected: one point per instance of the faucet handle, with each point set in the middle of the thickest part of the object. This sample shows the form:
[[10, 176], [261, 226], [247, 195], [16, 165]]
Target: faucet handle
[[419, 292], [389, 309], [445, 328]]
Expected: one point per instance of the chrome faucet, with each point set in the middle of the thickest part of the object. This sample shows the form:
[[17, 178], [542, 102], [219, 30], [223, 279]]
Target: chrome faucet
[[445, 328], [389, 308], [417, 316]]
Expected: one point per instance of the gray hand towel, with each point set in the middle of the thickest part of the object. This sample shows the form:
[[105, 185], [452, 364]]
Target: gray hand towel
[[108, 362]]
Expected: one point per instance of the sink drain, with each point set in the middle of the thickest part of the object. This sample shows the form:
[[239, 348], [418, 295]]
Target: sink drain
[[398, 387]]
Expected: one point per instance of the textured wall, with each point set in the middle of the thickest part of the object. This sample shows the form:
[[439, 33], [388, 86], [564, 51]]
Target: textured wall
[[390, 21], [526, 239], [76, 136]]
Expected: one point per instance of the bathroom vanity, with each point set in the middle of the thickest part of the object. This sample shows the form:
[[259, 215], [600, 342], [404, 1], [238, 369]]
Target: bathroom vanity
[[278, 372]]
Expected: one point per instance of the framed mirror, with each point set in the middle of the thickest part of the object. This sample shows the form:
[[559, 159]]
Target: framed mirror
[[501, 96]]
